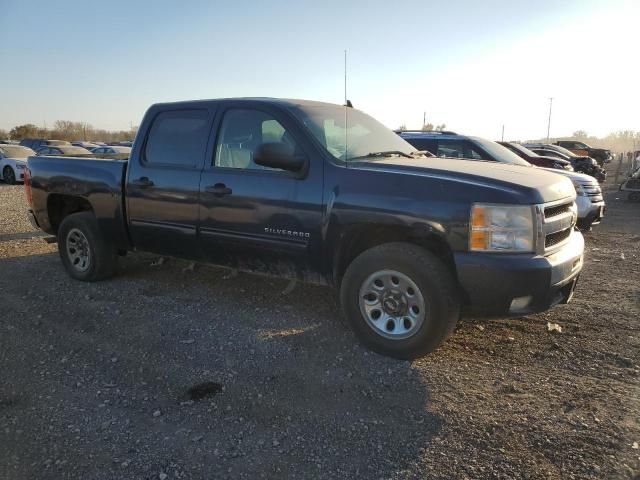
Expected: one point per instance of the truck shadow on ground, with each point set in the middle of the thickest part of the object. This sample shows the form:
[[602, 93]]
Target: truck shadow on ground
[[104, 375]]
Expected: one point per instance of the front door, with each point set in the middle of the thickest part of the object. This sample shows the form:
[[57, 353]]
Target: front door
[[256, 218], [163, 183]]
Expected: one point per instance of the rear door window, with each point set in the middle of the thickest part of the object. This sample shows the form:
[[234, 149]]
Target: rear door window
[[423, 144], [178, 138]]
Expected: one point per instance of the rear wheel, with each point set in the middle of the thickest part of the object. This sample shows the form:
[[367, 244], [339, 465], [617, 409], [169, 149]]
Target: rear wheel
[[400, 300], [85, 253], [8, 175]]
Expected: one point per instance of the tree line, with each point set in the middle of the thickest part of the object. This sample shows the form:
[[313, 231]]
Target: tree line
[[68, 130]]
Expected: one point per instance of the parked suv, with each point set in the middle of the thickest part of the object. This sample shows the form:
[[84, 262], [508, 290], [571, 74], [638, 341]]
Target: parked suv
[[601, 155], [452, 145], [589, 198]]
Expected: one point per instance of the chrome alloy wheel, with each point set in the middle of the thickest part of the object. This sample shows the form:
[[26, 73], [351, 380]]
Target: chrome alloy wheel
[[78, 251], [392, 304]]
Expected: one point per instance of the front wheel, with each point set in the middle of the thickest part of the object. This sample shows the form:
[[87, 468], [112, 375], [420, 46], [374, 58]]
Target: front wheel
[[400, 300], [8, 175], [85, 253]]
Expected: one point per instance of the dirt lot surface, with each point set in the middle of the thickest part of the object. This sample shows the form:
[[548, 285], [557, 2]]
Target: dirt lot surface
[[96, 380]]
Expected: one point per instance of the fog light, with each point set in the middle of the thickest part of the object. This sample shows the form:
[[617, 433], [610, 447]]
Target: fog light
[[520, 303]]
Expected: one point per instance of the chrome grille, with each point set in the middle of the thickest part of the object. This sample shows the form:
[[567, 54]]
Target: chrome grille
[[593, 191], [555, 238], [557, 210]]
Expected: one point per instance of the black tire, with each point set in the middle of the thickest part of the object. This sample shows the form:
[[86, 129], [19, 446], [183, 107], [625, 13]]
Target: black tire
[[436, 285], [584, 225], [101, 254], [8, 175], [634, 197]]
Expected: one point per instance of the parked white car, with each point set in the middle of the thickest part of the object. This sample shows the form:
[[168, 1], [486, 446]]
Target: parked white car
[[13, 161], [589, 199]]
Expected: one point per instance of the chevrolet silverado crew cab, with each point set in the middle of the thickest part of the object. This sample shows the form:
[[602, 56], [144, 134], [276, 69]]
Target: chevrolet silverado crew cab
[[323, 194]]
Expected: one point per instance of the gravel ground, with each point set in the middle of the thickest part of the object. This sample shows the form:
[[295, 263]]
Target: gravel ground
[[166, 372]]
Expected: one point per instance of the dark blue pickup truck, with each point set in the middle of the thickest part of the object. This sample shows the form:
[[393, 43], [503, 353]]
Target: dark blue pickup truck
[[325, 194]]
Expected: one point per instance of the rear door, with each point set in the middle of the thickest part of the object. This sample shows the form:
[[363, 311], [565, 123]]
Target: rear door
[[163, 181], [257, 218]]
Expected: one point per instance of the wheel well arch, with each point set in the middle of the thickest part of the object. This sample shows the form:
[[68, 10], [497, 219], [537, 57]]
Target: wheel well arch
[[8, 165], [361, 238], [60, 206]]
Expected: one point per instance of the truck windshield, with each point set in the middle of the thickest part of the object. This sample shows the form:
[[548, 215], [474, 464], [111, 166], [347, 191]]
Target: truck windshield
[[500, 153], [348, 134]]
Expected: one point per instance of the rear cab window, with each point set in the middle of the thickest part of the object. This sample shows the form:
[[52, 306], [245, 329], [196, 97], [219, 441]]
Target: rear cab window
[[178, 138], [458, 149]]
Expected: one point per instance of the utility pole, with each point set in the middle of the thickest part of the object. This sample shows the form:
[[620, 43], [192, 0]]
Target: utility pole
[[502, 140], [424, 119], [549, 122]]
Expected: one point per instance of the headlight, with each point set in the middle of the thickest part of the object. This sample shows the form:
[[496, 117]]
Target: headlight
[[579, 189], [501, 228], [19, 166]]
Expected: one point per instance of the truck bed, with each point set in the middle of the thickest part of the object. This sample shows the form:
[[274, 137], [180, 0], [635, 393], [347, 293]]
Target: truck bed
[[98, 181]]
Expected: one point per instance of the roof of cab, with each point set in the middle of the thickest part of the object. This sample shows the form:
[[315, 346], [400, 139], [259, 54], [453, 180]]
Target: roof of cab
[[287, 102]]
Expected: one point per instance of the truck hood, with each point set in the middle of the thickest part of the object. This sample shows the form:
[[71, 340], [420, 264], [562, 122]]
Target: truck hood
[[538, 185]]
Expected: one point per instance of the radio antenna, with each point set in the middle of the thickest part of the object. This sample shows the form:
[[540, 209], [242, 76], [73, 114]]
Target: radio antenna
[[345, 77], [346, 108]]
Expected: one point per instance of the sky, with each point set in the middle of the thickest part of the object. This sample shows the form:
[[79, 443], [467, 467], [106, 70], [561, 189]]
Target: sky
[[473, 65]]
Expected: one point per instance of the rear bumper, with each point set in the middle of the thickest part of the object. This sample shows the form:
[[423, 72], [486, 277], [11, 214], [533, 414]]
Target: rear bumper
[[500, 285]]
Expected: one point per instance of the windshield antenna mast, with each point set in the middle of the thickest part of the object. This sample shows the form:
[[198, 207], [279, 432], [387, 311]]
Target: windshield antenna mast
[[346, 106], [345, 77]]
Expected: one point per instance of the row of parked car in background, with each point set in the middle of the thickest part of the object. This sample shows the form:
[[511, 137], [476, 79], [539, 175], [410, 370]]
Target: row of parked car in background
[[579, 162], [584, 172], [13, 155]]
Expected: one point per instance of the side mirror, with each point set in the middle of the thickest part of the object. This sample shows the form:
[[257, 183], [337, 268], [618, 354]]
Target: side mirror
[[278, 155]]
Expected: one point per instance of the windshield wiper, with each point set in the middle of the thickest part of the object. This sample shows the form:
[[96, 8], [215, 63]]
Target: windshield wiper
[[387, 153], [421, 153]]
